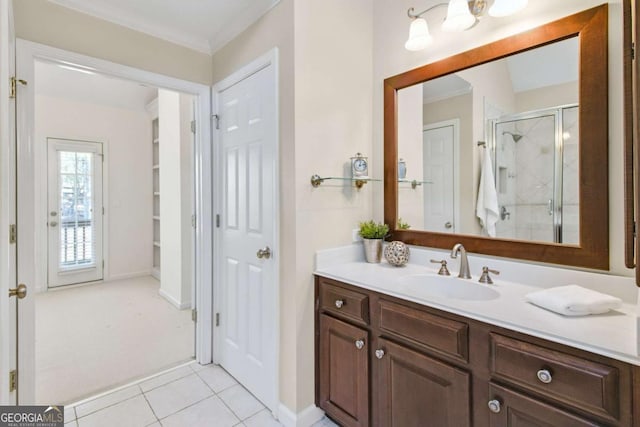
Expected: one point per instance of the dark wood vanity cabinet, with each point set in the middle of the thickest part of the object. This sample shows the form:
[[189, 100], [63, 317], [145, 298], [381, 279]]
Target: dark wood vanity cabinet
[[383, 361]]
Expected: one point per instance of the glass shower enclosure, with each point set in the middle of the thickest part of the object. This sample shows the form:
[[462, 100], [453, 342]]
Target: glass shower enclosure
[[537, 175]]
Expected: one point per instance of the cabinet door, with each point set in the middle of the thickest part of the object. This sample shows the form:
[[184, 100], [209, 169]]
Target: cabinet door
[[511, 409], [416, 390], [344, 372]]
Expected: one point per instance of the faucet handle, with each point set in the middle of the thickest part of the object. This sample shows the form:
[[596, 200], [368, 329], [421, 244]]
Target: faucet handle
[[444, 271], [485, 278]]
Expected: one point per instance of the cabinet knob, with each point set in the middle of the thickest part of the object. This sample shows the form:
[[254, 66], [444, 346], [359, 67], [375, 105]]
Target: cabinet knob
[[359, 344], [379, 353], [544, 376], [494, 406], [339, 303]]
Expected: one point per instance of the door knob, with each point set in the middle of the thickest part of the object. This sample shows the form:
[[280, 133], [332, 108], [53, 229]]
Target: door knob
[[53, 213], [53, 223], [264, 253], [20, 291], [448, 224], [379, 353], [360, 344]]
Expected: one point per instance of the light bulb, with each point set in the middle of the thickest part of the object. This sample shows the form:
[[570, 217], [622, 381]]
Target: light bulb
[[419, 37], [459, 17]]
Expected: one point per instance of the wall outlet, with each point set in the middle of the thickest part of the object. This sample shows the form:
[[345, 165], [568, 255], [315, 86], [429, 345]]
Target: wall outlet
[[355, 235]]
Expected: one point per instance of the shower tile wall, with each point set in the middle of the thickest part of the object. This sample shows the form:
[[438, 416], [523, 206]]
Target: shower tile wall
[[525, 178]]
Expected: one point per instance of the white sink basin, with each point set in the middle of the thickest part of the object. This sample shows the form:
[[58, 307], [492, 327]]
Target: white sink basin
[[445, 286]]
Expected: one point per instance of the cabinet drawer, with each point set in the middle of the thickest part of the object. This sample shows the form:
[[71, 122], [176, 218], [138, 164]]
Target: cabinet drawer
[[437, 333], [344, 302], [583, 384], [514, 409]]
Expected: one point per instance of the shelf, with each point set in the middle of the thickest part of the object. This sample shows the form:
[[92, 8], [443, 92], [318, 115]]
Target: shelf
[[316, 180], [156, 218], [156, 141], [414, 183], [156, 244], [156, 167], [156, 193]]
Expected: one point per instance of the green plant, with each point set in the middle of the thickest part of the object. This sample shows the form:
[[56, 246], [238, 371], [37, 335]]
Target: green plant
[[372, 230], [403, 225]]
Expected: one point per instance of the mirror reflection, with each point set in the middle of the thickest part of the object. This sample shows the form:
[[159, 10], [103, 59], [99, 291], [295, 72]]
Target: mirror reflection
[[493, 150]]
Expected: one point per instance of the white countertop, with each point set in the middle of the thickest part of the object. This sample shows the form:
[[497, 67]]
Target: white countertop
[[614, 334]]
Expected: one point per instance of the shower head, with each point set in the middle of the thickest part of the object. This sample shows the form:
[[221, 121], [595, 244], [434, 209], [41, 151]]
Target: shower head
[[516, 136]]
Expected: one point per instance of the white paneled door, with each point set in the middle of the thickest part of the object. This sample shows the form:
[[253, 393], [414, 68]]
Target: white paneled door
[[439, 176], [248, 292], [74, 214]]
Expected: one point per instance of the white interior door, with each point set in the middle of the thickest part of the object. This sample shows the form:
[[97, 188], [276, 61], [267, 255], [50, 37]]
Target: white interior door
[[74, 212], [438, 161], [248, 292]]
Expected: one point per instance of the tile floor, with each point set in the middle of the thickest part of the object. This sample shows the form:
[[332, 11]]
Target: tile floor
[[189, 396]]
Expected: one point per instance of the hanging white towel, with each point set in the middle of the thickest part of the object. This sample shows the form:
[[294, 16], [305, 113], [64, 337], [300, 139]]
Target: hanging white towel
[[487, 206], [574, 300]]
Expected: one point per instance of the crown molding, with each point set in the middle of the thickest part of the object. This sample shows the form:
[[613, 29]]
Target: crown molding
[[115, 16]]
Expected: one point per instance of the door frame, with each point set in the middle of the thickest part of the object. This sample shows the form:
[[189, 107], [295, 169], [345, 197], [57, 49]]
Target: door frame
[[268, 59], [455, 123], [7, 209], [27, 53]]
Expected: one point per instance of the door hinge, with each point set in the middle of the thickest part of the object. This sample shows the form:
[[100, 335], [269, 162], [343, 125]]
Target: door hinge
[[13, 380], [12, 86], [633, 51], [103, 264], [217, 319], [193, 126], [194, 315], [13, 234], [217, 119], [193, 220], [217, 220]]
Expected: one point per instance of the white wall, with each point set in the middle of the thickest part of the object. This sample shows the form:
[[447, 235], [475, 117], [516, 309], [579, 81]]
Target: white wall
[[126, 136], [174, 117], [410, 149], [390, 32]]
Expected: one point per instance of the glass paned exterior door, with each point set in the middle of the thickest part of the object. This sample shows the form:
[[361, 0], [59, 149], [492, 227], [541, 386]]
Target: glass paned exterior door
[[75, 212]]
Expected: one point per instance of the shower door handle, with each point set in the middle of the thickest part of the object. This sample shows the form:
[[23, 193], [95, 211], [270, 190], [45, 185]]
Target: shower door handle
[[550, 207]]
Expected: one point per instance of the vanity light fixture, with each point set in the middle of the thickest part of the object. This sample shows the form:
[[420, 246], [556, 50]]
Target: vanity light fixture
[[461, 16]]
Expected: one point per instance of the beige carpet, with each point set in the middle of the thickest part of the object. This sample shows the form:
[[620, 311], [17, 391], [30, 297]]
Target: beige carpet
[[95, 337]]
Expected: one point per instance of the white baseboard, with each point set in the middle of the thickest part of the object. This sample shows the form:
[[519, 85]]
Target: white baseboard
[[177, 304], [309, 416], [123, 276]]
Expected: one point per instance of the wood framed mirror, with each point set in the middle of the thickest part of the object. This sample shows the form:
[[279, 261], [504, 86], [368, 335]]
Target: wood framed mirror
[[589, 247]]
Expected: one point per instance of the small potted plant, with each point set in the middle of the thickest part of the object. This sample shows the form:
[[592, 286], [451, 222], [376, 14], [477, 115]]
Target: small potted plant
[[372, 235]]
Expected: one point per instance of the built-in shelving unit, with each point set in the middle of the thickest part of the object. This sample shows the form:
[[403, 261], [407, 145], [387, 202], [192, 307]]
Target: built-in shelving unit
[[156, 197]]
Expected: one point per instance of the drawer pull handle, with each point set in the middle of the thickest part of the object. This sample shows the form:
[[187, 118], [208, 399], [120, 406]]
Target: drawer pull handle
[[339, 303], [359, 344], [494, 406], [379, 353], [544, 376]]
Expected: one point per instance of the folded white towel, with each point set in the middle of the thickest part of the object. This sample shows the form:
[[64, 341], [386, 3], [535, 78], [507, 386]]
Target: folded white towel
[[487, 204], [574, 300]]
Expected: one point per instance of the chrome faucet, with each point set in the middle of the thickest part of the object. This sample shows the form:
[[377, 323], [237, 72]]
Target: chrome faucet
[[464, 261]]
